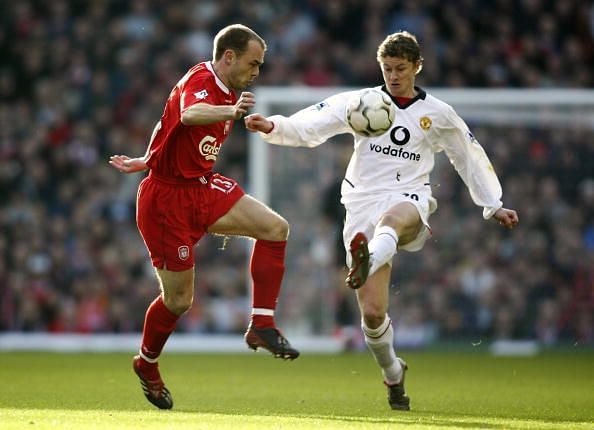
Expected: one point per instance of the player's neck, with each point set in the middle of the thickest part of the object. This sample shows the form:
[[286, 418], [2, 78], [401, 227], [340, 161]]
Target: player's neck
[[221, 73], [404, 93], [407, 94]]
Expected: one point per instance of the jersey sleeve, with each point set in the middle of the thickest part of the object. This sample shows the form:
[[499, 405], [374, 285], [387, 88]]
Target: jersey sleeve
[[195, 90], [311, 126], [471, 162]]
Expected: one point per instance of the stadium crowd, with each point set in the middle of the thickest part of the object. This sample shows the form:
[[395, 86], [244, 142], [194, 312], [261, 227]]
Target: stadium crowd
[[80, 81]]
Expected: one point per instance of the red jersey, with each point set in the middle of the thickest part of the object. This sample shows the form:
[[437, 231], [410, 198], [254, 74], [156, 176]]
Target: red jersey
[[181, 151]]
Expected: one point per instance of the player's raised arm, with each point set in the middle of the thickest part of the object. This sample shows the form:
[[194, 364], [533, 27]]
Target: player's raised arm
[[204, 113], [309, 127]]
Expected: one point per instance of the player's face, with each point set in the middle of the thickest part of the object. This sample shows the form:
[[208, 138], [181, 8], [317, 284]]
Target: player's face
[[246, 68], [399, 76]]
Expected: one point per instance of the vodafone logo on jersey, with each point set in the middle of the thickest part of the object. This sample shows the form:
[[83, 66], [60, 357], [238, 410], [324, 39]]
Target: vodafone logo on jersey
[[399, 136], [209, 148]]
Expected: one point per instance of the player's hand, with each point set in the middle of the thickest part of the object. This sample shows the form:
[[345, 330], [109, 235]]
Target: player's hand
[[246, 100], [506, 217], [256, 122], [126, 164]]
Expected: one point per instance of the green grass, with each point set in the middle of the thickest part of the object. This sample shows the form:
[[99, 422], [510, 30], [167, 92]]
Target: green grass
[[254, 391]]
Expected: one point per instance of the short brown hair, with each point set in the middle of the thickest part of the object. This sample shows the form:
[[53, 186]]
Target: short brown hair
[[236, 38], [401, 45]]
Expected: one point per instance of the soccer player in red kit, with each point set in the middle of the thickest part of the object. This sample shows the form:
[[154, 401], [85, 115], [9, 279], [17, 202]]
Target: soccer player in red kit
[[181, 199]]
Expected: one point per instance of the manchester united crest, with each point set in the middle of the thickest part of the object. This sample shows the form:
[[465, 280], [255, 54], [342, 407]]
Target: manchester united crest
[[425, 123]]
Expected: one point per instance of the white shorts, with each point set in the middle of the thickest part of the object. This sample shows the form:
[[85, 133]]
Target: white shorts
[[364, 216]]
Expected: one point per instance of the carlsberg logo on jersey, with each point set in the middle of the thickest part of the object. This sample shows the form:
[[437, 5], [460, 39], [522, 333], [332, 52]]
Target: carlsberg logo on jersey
[[209, 148], [399, 136]]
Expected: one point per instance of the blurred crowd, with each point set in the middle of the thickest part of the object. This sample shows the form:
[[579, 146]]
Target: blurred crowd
[[80, 81]]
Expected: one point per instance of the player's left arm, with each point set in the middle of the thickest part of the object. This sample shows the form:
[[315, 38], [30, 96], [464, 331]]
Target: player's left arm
[[474, 167]]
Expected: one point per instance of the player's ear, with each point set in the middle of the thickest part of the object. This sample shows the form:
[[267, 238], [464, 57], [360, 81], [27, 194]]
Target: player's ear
[[229, 56]]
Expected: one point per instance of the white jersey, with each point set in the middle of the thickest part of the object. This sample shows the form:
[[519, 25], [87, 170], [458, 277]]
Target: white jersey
[[401, 159]]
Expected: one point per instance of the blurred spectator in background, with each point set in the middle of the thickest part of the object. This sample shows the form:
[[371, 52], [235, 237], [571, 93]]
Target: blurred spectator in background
[[82, 80]]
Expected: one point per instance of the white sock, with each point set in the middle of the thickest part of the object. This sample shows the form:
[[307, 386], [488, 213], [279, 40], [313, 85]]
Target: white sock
[[381, 344], [382, 247], [147, 359]]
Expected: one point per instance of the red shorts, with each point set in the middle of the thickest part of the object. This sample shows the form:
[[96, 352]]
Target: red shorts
[[173, 215]]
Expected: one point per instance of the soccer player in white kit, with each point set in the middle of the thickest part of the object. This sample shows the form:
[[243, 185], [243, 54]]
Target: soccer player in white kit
[[386, 190]]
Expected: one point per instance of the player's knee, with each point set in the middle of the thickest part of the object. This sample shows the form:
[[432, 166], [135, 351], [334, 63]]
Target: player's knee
[[373, 316], [395, 220], [278, 230], [178, 303], [406, 227]]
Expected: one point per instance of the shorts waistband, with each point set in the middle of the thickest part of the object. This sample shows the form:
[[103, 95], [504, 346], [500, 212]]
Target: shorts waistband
[[182, 182]]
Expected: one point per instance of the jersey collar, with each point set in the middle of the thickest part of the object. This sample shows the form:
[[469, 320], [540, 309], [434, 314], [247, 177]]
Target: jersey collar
[[421, 94], [217, 80]]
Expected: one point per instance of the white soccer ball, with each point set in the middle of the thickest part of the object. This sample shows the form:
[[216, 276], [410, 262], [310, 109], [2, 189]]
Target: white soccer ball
[[370, 112]]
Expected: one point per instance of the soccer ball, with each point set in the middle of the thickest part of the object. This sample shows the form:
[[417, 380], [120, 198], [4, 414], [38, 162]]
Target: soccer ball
[[370, 112]]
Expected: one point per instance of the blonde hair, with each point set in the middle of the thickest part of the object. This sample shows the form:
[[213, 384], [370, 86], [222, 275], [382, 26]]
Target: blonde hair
[[401, 45]]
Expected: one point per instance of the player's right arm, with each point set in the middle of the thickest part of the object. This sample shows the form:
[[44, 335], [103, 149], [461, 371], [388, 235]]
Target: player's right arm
[[126, 164], [309, 127], [204, 113]]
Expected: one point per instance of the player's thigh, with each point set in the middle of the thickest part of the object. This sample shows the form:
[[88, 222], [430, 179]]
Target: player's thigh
[[166, 222], [405, 219], [250, 217], [373, 296]]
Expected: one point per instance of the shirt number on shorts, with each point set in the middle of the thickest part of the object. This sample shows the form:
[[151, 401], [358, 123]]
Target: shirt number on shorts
[[412, 196], [222, 185]]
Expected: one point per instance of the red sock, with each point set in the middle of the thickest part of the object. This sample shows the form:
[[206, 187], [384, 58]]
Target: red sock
[[267, 267], [159, 322]]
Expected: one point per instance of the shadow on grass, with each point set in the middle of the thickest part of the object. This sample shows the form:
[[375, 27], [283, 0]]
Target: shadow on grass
[[429, 418], [396, 418], [392, 418]]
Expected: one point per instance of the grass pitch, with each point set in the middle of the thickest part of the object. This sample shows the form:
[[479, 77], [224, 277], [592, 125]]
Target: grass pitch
[[255, 391]]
